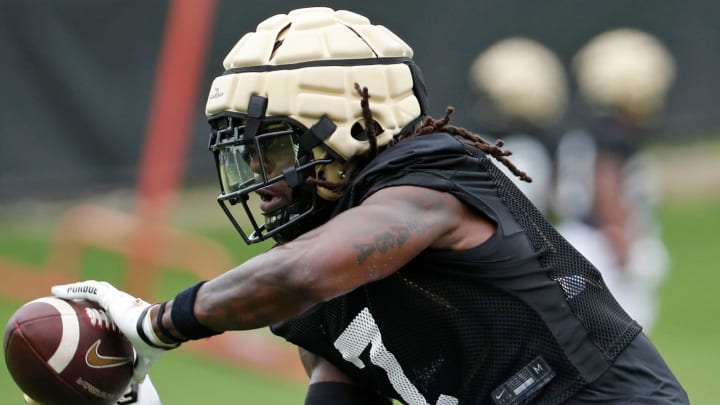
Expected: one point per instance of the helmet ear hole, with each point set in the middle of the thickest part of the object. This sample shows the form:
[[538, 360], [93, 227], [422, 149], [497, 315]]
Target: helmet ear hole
[[359, 133]]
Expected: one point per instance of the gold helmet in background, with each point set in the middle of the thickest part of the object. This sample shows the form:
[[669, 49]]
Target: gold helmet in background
[[625, 70], [524, 81]]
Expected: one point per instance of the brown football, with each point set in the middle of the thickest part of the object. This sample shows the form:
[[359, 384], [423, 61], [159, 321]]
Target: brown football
[[67, 352]]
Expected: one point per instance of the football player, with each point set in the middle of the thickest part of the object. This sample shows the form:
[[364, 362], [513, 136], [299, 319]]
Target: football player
[[408, 266], [521, 90], [607, 188]]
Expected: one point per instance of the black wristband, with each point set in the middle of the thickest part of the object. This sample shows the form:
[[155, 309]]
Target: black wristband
[[183, 316], [333, 393]]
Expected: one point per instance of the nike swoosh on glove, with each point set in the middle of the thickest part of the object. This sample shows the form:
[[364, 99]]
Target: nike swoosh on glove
[[129, 313]]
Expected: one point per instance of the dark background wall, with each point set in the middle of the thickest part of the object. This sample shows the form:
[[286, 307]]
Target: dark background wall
[[77, 76]]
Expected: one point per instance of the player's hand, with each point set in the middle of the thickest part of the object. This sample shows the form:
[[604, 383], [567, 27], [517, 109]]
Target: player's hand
[[129, 313]]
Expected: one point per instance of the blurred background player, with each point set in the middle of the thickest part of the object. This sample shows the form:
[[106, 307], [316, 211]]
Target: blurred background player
[[606, 188], [522, 94]]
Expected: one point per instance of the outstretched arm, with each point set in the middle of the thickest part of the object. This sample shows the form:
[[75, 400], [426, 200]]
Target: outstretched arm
[[362, 245], [359, 246]]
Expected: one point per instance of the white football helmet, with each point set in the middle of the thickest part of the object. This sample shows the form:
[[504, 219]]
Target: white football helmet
[[288, 93]]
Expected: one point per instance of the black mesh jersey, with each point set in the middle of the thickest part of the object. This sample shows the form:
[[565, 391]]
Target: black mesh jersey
[[521, 318]]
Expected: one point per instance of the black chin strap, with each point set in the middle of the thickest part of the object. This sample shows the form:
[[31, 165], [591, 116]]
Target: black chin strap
[[257, 107], [315, 136]]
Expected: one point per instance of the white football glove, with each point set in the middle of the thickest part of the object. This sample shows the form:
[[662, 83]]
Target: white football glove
[[126, 311]]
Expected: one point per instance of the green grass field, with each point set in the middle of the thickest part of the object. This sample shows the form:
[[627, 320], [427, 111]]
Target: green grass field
[[687, 333]]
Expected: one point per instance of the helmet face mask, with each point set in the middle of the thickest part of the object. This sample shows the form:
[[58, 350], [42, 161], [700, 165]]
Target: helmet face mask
[[244, 161], [264, 161]]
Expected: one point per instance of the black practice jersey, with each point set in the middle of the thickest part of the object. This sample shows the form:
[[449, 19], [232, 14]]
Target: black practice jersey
[[520, 318]]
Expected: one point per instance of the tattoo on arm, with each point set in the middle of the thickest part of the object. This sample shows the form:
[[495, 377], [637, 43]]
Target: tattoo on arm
[[384, 241], [396, 235]]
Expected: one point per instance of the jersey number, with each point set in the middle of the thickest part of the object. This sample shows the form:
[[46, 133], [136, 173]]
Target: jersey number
[[363, 332]]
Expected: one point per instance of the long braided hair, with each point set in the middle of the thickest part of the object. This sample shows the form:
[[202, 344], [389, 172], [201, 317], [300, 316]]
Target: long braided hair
[[428, 126]]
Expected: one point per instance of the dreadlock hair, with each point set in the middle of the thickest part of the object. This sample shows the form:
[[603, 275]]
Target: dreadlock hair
[[431, 125], [428, 126]]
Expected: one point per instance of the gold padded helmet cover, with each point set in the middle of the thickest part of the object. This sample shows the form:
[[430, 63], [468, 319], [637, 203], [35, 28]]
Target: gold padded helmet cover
[[272, 62]]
